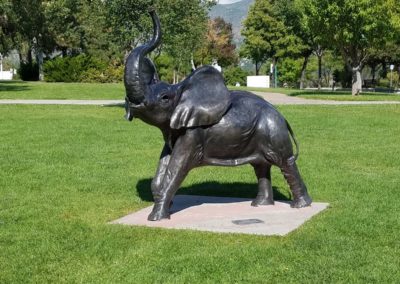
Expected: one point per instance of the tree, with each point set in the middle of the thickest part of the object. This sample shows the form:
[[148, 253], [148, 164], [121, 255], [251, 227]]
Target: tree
[[291, 12], [218, 44], [64, 25], [129, 21], [103, 29], [33, 28], [69, 26], [265, 35], [382, 56], [8, 27], [96, 34], [353, 27], [258, 31], [184, 25]]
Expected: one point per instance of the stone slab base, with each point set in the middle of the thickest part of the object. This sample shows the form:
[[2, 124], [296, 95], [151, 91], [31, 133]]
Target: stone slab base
[[227, 215]]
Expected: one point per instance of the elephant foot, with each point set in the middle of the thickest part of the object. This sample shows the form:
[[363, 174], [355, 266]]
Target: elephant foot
[[158, 213], [262, 200], [301, 202]]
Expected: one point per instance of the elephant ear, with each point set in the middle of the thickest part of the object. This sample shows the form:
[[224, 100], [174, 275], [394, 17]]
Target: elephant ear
[[204, 99]]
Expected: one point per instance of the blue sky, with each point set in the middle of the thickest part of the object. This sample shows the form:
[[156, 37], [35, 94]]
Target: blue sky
[[227, 1]]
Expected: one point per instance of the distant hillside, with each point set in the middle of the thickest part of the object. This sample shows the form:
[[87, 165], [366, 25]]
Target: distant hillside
[[233, 13]]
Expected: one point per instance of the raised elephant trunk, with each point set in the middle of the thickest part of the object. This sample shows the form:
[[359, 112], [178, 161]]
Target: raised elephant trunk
[[139, 70]]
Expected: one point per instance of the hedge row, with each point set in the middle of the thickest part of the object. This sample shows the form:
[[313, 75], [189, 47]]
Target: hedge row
[[84, 68], [81, 68]]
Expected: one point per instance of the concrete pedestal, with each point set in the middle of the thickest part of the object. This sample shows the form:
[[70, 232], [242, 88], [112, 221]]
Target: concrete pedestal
[[227, 215]]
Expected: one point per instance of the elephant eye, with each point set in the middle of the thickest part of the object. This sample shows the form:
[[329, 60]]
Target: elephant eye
[[165, 98]]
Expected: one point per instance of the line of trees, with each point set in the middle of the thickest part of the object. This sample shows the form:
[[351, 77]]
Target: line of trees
[[362, 32], [88, 40], [106, 30]]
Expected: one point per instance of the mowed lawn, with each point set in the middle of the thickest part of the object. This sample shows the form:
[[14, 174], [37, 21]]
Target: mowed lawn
[[60, 91], [115, 91], [66, 171], [346, 96]]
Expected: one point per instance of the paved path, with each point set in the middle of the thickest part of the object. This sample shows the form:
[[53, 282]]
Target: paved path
[[281, 99], [273, 98]]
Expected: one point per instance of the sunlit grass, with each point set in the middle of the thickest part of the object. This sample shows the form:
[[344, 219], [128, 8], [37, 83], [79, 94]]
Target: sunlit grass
[[346, 96], [60, 91], [66, 171], [93, 91]]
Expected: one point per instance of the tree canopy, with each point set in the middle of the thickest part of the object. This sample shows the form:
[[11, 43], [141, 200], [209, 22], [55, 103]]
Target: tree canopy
[[286, 32], [105, 29], [265, 34], [352, 27], [218, 44]]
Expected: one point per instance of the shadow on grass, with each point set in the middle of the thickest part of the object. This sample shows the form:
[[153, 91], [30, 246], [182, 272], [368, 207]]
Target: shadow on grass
[[12, 86], [319, 93], [117, 105], [236, 189]]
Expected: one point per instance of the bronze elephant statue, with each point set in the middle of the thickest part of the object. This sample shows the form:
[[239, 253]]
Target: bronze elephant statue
[[203, 123]]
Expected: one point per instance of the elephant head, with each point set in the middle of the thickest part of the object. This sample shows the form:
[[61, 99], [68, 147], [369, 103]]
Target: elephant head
[[199, 100]]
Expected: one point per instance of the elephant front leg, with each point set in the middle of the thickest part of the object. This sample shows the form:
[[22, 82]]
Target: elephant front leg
[[161, 170], [174, 175], [165, 187], [265, 194], [296, 184]]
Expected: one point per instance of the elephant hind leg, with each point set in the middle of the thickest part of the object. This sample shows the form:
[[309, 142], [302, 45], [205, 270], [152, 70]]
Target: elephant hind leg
[[296, 184], [265, 194]]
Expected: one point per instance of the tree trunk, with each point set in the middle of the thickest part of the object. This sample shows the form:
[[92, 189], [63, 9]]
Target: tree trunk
[[273, 74], [319, 70], [303, 71], [384, 69], [356, 88], [257, 68], [373, 71], [64, 52], [192, 64], [319, 51], [40, 65], [29, 58]]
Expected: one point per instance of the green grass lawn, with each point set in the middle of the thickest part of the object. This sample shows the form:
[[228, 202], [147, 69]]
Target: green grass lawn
[[65, 171], [64, 91], [60, 91], [345, 96]]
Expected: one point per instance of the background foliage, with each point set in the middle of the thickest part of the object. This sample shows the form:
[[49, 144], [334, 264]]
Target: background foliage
[[309, 41]]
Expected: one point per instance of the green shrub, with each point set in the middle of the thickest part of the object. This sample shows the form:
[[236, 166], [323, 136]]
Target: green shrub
[[66, 69], [81, 68], [235, 74], [29, 71], [289, 72], [110, 74], [394, 77], [165, 70]]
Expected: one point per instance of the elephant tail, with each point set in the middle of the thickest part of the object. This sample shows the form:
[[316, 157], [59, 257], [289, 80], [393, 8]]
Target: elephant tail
[[294, 140]]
